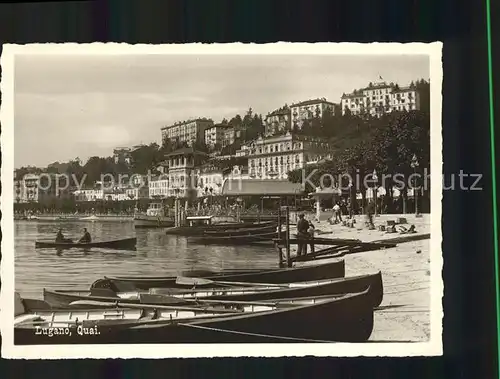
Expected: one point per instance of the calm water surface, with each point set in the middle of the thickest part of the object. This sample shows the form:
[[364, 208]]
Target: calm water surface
[[157, 254]]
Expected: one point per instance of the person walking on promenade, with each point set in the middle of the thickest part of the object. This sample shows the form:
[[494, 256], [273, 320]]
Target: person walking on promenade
[[337, 213], [302, 234], [310, 232], [370, 210]]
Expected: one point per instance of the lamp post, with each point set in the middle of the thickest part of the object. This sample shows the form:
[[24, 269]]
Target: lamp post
[[375, 188], [414, 164], [351, 212]]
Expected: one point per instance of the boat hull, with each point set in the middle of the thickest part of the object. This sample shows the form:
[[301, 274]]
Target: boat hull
[[288, 275], [341, 286], [159, 296], [127, 243], [244, 239], [345, 319], [214, 228]]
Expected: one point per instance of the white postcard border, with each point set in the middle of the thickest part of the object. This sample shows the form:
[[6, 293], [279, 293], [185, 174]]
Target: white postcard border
[[431, 348]]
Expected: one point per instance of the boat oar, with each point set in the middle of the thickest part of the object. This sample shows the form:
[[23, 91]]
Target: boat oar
[[203, 281]]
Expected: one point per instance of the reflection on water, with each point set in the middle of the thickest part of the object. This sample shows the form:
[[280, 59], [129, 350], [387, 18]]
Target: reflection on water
[[156, 254]]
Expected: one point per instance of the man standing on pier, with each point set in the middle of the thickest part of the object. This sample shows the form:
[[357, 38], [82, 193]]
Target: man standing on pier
[[302, 234]]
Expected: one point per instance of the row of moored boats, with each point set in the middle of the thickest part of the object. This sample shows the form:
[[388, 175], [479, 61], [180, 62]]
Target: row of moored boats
[[302, 304]]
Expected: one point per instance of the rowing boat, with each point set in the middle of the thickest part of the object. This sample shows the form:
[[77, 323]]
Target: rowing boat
[[225, 295], [329, 270], [245, 239], [126, 243], [348, 318]]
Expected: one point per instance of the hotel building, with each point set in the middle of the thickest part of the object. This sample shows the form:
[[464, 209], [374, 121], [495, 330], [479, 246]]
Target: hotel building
[[26, 189], [380, 98], [309, 109], [274, 157], [190, 131], [158, 187], [277, 121]]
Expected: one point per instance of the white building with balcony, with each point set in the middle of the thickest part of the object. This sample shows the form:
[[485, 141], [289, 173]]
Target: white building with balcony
[[308, 110], [380, 98], [275, 157]]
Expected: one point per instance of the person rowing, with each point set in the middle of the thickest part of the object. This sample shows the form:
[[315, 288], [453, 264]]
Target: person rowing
[[86, 237]]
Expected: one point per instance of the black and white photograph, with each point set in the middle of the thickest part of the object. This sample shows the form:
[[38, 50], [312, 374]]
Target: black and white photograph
[[207, 200]]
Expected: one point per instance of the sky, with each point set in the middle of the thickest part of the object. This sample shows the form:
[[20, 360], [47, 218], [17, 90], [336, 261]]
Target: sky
[[68, 106]]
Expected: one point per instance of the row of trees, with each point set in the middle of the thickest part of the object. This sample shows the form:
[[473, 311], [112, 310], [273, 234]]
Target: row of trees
[[388, 149]]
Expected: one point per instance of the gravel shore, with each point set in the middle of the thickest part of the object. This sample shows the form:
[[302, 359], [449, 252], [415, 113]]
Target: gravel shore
[[406, 277]]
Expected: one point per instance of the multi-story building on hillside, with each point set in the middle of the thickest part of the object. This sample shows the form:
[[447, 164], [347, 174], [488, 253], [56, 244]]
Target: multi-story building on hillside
[[182, 165], [277, 121], [122, 155], [190, 131], [380, 98], [209, 180], [219, 135], [309, 109], [275, 157]]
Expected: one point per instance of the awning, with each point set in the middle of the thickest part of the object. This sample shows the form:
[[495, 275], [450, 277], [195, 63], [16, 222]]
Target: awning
[[260, 187]]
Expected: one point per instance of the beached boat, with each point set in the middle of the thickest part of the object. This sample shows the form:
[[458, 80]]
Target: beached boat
[[221, 295], [329, 270], [125, 243], [348, 318]]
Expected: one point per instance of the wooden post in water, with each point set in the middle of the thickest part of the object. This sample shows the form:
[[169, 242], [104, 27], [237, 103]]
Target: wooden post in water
[[287, 218], [176, 211]]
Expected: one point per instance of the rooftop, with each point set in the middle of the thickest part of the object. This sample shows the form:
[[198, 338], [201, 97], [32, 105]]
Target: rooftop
[[185, 151], [187, 122], [280, 111]]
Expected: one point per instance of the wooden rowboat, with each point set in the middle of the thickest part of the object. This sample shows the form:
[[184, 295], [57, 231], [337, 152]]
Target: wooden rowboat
[[240, 231], [225, 295], [287, 275], [348, 318], [126, 243]]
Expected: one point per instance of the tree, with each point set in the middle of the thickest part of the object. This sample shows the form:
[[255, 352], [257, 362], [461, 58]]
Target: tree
[[146, 158]]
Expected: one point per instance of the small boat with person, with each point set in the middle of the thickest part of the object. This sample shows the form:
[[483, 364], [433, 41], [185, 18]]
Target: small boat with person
[[124, 243]]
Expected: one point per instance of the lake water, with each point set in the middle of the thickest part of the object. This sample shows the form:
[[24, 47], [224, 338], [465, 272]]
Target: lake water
[[157, 254]]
